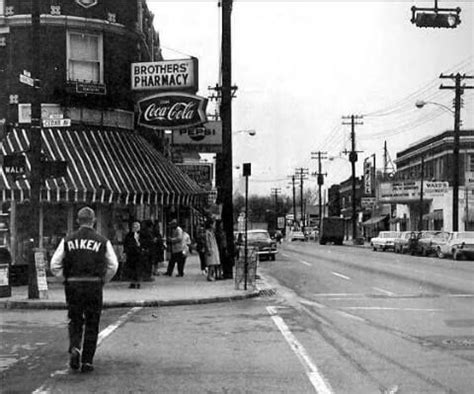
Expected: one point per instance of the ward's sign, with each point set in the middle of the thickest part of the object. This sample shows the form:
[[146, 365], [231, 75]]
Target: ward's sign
[[166, 75], [172, 111]]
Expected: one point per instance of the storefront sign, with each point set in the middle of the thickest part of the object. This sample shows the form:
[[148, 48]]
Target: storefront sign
[[201, 173], [166, 75], [406, 191], [90, 88], [368, 189], [172, 111], [205, 138], [367, 202]]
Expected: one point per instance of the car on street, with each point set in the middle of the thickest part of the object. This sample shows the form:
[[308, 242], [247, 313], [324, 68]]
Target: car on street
[[430, 241], [384, 241], [460, 244], [401, 243], [265, 246], [297, 236]]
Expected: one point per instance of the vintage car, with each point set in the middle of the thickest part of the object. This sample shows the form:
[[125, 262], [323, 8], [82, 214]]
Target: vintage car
[[384, 241], [296, 235], [401, 244], [430, 241], [260, 240], [459, 244]]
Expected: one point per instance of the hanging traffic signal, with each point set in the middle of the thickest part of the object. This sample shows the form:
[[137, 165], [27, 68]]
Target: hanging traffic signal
[[447, 18], [425, 19]]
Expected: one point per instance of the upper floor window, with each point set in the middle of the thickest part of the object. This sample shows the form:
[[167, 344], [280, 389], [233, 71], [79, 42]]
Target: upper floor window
[[84, 57], [2, 7]]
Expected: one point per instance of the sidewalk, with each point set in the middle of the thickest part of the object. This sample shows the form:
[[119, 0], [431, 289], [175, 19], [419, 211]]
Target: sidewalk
[[193, 288]]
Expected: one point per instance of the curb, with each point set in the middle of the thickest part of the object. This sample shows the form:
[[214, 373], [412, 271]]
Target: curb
[[59, 305]]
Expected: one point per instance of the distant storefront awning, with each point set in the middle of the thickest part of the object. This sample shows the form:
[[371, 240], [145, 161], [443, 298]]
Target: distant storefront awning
[[374, 220], [435, 215], [104, 166]]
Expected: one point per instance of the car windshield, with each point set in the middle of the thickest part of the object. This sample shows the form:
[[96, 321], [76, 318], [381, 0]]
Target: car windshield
[[263, 235]]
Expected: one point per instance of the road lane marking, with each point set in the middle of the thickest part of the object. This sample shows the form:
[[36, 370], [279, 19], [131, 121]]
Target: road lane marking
[[384, 291], [461, 295], [304, 262], [350, 316], [45, 389], [382, 308], [313, 303], [315, 377], [341, 276], [339, 294]]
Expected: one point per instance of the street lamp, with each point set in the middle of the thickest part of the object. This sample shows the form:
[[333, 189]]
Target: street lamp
[[456, 113]]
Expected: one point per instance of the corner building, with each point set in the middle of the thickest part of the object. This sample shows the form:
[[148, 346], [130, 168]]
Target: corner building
[[87, 109]]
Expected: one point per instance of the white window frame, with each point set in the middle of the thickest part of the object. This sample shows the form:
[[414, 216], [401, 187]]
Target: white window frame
[[2, 7], [100, 49]]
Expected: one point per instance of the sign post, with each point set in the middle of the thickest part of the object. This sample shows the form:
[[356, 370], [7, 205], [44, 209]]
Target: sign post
[[246, 174]]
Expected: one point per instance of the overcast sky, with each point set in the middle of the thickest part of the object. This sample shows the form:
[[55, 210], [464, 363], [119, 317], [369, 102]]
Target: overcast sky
[[301, 66]]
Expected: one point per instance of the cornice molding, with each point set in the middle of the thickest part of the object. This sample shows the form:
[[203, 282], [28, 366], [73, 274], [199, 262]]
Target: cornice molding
[[70, 22]]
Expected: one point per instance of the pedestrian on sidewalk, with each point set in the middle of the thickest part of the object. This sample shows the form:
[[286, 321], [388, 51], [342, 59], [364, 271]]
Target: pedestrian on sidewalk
[[133, 251], [146, 245], [186, 252], [158, 249], [212, 251], [201, 247], [177, 246], [85, 260]]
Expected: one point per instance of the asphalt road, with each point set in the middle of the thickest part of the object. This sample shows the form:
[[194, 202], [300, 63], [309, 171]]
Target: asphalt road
[[342, 320]]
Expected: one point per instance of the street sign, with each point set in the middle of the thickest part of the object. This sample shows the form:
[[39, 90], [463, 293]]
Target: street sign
[[27, 80], [56, 122]]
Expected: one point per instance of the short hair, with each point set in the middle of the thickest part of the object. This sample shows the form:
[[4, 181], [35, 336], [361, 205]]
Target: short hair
[[86, 215]]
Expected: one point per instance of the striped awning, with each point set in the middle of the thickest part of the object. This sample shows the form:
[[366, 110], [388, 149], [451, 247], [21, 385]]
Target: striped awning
[[104, 166]]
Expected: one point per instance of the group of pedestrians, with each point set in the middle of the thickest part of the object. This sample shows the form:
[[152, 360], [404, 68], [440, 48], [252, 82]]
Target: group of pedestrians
[[212, 249], [144, 248]]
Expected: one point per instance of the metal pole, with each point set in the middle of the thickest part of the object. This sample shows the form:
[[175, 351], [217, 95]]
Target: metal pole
[[246, 264], [35, 148], [420, 222], [294, 199], [353, 159]]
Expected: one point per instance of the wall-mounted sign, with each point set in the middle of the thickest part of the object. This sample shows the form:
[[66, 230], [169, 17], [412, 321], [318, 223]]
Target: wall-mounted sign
[[87, 3], [205, 138], [56, 122], [368, 184], [172, 111], [166, 75], [201, 173], [409, 191], [48, 111], [90, 88]]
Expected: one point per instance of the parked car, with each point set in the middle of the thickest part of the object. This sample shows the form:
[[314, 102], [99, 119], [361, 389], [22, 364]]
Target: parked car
[[384, 241], [261, 240], [400, 244], [297, 236], [430, 240], [459, 244]]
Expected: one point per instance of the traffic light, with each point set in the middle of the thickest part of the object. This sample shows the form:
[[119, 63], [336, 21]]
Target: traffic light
[[448, 20]]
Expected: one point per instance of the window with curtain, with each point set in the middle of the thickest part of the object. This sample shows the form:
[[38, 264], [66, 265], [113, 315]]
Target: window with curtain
[[84, 57]]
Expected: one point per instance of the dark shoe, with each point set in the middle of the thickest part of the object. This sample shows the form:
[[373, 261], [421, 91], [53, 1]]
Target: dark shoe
[[131, 286], [75, 358], [87, 367], [137, 286], [179, 275]]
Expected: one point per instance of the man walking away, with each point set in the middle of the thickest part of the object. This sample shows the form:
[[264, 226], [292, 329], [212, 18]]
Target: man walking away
[[85, 260]]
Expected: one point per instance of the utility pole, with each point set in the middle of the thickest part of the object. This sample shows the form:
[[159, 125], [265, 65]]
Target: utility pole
[[35, 148], [459, 90], [226, 118], [302, 173], [275, 192], [293, 181], [320, 175], [353, 160], [420, 222]]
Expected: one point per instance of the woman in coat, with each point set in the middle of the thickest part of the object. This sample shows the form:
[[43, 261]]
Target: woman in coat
[[212, 251]]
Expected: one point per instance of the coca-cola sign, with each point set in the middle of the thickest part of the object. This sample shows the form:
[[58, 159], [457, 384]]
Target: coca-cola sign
[[172, 111]]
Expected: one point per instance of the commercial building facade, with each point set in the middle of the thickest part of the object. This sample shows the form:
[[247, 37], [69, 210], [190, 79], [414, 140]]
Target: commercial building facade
[[88, 121]]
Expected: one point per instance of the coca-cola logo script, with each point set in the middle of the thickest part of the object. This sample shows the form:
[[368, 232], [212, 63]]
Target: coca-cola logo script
[[172, 111]]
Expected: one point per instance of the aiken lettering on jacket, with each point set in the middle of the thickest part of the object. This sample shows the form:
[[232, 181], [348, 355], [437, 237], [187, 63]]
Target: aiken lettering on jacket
[[84, 244]]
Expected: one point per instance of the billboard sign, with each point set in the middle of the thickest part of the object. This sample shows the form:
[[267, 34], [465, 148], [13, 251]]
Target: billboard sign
[[170, 75], [368, 184], [403, 191], [172, 111]]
